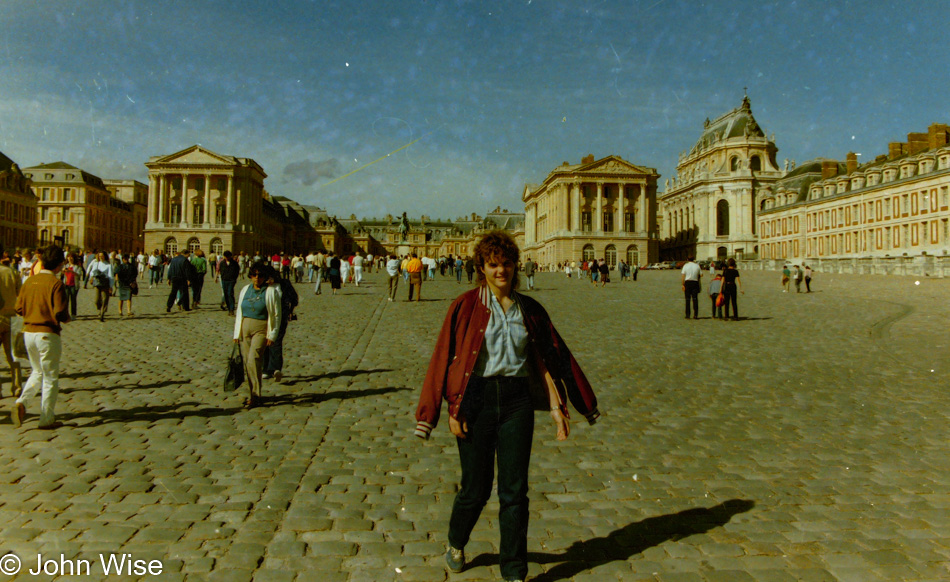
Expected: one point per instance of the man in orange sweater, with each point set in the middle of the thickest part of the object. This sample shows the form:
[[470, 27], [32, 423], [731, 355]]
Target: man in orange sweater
[[414, 268], [43, 306]]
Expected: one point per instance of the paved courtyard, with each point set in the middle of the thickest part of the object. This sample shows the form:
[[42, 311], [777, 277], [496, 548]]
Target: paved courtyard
[[809, 441]]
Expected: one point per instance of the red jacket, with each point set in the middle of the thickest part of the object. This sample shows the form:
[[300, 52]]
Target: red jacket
[[456, 352]]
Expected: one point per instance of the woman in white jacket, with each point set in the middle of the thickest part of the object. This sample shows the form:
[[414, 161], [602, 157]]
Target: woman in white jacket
[[256, 325]]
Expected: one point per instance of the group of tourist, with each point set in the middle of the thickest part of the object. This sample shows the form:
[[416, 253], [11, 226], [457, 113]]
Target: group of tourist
[[801, 273]]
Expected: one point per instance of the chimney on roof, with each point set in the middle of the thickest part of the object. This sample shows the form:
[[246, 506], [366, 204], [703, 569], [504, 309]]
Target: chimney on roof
[[829, 169], [896, 149], [917, 142], [937, 135], [589, 158], [851, 162]]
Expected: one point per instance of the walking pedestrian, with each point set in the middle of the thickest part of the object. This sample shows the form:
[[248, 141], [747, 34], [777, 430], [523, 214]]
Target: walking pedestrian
[[415, 270], [230, 270], [529, 268], [71, 275], [470, 268], [198, 279], [42, 304], [180, 272], [274, 353], [256, 325], [690, 278], [730, 286], [797, 277], [604, 269], [334, 272], [9, 288], [125, 277], [358, 269], [493, 343], [344, 271], [715, 286], [786, 277], [154, 269], [100, 271], [392, 269], [808, 274]]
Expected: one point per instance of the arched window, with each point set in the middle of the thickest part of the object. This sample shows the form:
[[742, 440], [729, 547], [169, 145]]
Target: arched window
[[722, 218], [762, 204], [610, 255], [588, 253], [721, 253], [633, 255], [734, 163], [755, 164], [194, 244], [44, 237], [171, 246], [217, 247]]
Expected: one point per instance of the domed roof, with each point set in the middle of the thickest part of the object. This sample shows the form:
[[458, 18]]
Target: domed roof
[[738, 123]]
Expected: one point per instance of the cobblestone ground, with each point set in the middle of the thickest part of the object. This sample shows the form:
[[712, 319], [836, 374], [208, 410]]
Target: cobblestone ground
[[809, 441]]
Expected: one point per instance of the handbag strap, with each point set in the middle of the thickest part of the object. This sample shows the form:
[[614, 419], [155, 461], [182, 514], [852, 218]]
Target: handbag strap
[[236, 349]]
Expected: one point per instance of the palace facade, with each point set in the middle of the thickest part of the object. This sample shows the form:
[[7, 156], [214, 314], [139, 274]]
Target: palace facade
[[603, 209], [708, 209], [894, 206], [135, 194], [425, 236], [200, 199], [77, 210], [17, 207]]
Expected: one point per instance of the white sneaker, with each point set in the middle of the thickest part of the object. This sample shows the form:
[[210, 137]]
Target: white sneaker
[[265, 375]]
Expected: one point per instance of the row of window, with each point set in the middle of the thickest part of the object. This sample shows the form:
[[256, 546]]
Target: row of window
[[18, 213], [610, 254], [682, 220], [193, 244], [932, 232], [14, 238]]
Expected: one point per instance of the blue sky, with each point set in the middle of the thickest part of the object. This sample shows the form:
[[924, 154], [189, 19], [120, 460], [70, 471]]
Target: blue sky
[[497, 93]]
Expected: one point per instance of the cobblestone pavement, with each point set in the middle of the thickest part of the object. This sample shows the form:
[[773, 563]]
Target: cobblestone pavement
[[809, 441]]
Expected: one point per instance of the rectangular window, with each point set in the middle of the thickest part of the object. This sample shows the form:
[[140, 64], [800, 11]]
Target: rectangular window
[[796, 224], [608, 221], [914, 204], [945, 196], [834, 218], [933, 200], [914, 236], [629, 222], [585, 221], [44, 213]]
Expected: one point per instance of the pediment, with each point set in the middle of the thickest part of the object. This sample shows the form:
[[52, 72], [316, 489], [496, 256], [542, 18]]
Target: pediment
[[611, 165], [196, 156]]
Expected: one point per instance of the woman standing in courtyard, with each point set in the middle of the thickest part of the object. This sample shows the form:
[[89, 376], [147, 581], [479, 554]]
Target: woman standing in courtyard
[[256, 325], [497, 357]]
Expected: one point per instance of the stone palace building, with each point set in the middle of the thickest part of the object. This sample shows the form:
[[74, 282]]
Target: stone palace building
[[17, 207], [603, 209], [708, 209], [897, 205]]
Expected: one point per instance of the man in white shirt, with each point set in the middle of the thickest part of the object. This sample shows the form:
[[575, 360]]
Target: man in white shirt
[[309, 260], [358, 268], [690, 277]]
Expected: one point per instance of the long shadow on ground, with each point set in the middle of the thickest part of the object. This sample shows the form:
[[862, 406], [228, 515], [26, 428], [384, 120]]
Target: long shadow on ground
[[173, 411], [290, 380], [629, 540]]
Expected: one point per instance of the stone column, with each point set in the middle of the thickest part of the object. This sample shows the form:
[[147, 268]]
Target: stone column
[[599, 213], [186, 213], [229, 218], [644, 215], [207, 217], [618, 210], [162, 213], [576, 207], [566, 212]]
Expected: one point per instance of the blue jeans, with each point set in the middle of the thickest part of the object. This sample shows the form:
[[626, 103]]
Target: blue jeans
[[530, 280], [319, 281], [154, 276], [227, 290], [500, 419]]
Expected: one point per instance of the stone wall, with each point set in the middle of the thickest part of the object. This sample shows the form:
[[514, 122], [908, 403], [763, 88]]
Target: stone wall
[[919, 266]]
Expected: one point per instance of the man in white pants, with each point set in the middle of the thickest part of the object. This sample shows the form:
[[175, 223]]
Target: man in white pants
[[43, 306], [358, 268]]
